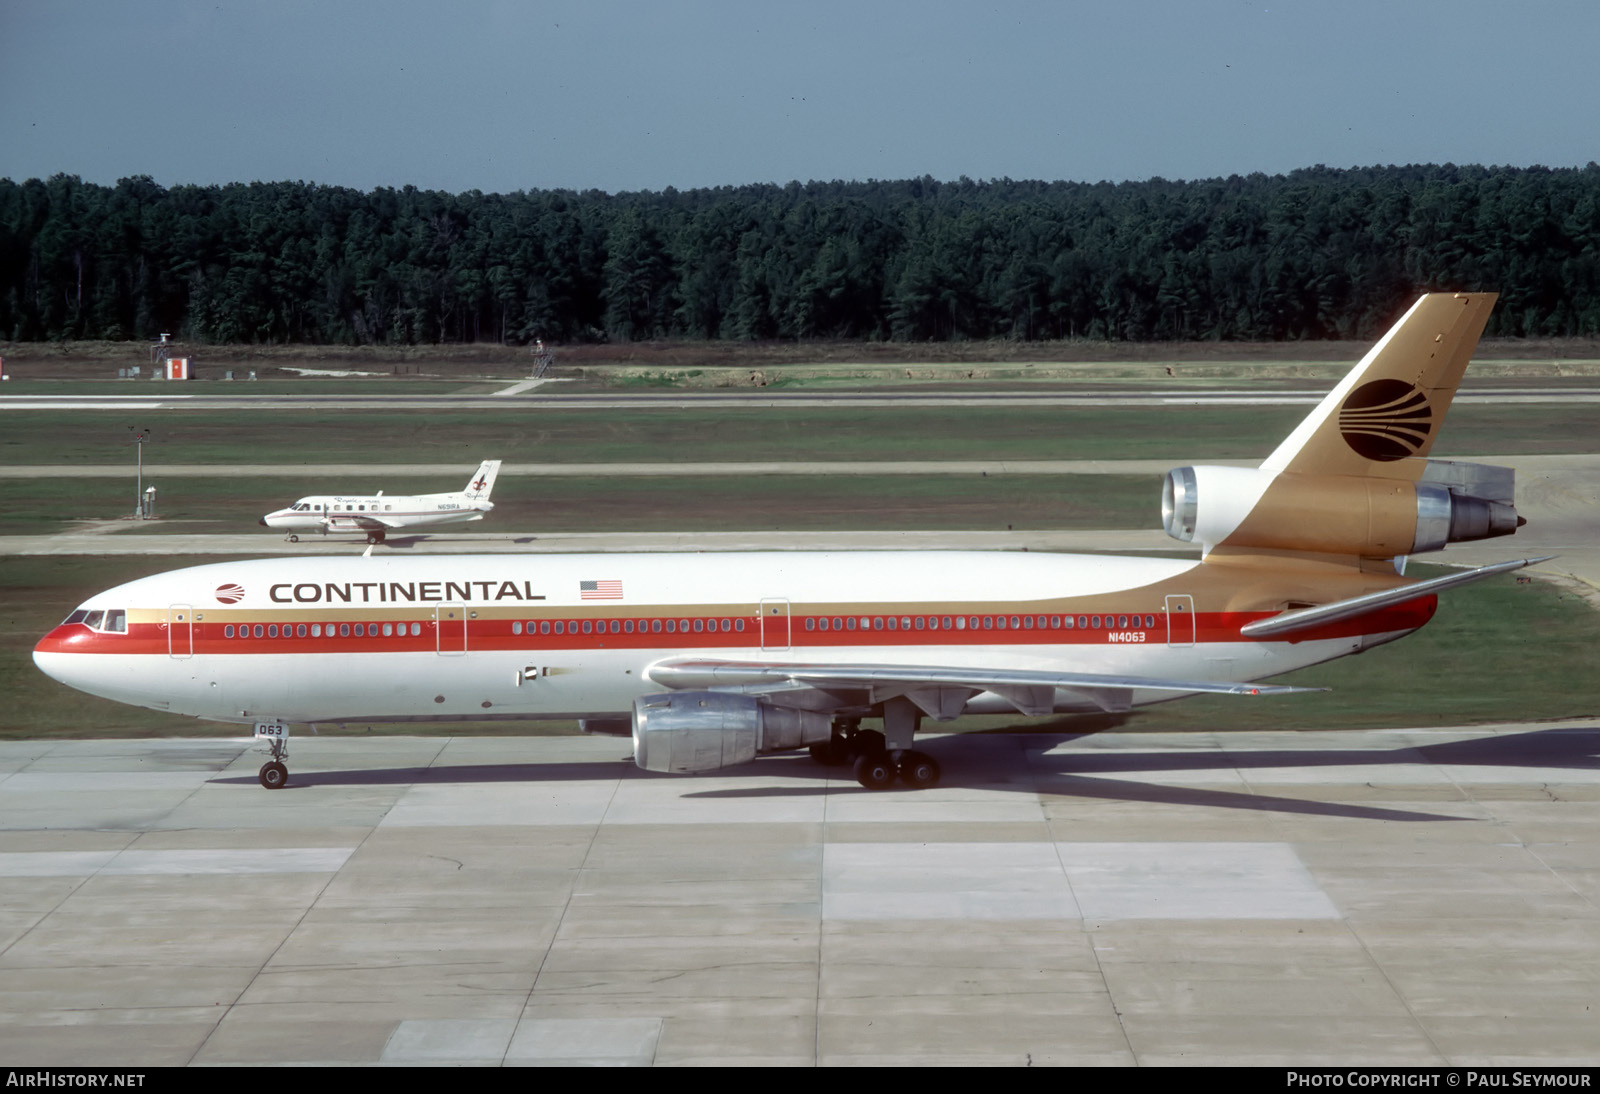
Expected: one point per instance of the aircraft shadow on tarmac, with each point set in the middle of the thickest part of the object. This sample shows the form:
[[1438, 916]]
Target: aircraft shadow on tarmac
[[1034, 769], [405, 543]]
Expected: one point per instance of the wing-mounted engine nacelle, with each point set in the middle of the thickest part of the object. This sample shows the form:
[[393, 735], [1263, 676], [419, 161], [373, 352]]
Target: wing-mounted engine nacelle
[[685, 731], [1340, 514]]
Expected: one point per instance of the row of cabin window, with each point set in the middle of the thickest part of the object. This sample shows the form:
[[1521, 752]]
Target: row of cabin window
[[696, 626], [306, 508], [976, 622], [346, 630], [628, 626]]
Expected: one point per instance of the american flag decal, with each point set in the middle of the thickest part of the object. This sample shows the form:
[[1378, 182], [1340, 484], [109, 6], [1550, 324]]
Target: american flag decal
[[599, 590]]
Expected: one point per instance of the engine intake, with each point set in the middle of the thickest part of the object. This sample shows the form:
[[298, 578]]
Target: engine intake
[[687, 731]]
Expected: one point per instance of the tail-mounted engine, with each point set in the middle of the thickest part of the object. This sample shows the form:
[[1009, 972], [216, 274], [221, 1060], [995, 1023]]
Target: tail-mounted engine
[[685, 731], [1340, 514]]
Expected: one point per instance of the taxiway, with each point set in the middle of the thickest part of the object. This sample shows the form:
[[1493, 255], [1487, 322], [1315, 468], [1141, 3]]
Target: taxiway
[[1395, 897]]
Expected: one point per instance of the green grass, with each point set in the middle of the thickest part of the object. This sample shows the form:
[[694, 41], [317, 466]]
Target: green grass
[[524, 435], [1497, 651], [594, 504]]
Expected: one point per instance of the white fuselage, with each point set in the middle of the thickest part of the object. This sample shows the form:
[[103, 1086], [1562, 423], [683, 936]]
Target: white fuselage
[[354, 513], [502, 636]]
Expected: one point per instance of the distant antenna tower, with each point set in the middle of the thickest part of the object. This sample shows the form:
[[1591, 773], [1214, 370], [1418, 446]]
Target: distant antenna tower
[[542, 358], [159, 352]]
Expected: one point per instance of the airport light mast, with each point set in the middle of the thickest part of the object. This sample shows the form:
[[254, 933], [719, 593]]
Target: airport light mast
[[139, 436]]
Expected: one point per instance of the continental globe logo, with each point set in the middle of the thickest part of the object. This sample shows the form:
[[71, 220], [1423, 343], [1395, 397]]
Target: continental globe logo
[[1386, 420], [230, 594]]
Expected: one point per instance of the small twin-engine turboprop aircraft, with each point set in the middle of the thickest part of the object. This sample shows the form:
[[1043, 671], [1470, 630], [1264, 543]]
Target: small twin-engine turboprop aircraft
[[377, 516], [712, 659]]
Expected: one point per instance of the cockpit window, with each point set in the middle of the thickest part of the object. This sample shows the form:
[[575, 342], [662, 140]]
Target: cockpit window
[[113, 620]]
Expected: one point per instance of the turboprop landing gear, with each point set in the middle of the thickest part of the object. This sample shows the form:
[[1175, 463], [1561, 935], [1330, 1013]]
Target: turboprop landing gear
[[374, 537], [273, 774], [292, 538]]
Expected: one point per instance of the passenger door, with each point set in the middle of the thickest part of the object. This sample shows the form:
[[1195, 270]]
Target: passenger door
[[774, 623], [180, 631], [450, 629], [1180, 620]]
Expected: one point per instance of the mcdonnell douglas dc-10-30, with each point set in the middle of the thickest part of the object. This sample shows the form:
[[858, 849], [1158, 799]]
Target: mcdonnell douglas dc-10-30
[[710, 660], [377, 516]]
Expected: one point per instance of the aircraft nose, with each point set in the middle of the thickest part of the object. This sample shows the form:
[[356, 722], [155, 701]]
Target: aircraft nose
[[53, 655], [262, 522], [47, 661]]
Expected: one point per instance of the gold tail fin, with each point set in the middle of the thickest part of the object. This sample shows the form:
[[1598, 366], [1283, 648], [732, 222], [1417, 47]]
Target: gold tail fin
[[1390, 407]]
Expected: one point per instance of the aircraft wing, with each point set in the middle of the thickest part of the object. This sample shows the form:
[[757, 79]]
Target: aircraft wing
[[359, 522], [939, 691], [1305, 619]]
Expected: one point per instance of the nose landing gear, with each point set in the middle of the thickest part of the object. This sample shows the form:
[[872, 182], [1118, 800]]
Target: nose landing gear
[[274, 775]]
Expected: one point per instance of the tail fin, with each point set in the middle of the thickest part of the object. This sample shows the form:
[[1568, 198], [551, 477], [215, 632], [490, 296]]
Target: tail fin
[[1353, 478], [1390, 406], [482, 482]]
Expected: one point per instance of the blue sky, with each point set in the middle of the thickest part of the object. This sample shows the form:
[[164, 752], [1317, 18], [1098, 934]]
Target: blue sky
[[497, 95]]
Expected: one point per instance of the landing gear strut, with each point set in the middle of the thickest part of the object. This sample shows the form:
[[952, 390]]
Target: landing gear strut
[[374, 537], [842, 747]]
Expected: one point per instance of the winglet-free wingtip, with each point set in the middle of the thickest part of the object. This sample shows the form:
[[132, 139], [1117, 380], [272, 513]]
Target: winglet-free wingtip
[[1304, 619]]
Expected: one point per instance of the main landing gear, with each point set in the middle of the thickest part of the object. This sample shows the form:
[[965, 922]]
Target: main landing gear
[[375, 537], [875, 765]]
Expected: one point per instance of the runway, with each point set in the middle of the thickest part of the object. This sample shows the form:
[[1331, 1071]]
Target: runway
[[1397, 897]]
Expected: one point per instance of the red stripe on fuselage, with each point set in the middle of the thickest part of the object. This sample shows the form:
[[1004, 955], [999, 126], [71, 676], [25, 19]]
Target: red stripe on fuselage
[[495, 634]]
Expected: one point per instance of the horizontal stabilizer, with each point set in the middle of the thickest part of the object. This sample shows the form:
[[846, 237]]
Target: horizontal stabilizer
[[1305, 619]]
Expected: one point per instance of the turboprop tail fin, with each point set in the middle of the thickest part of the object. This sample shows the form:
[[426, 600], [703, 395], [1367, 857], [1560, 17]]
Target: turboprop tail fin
[[482, 482]]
